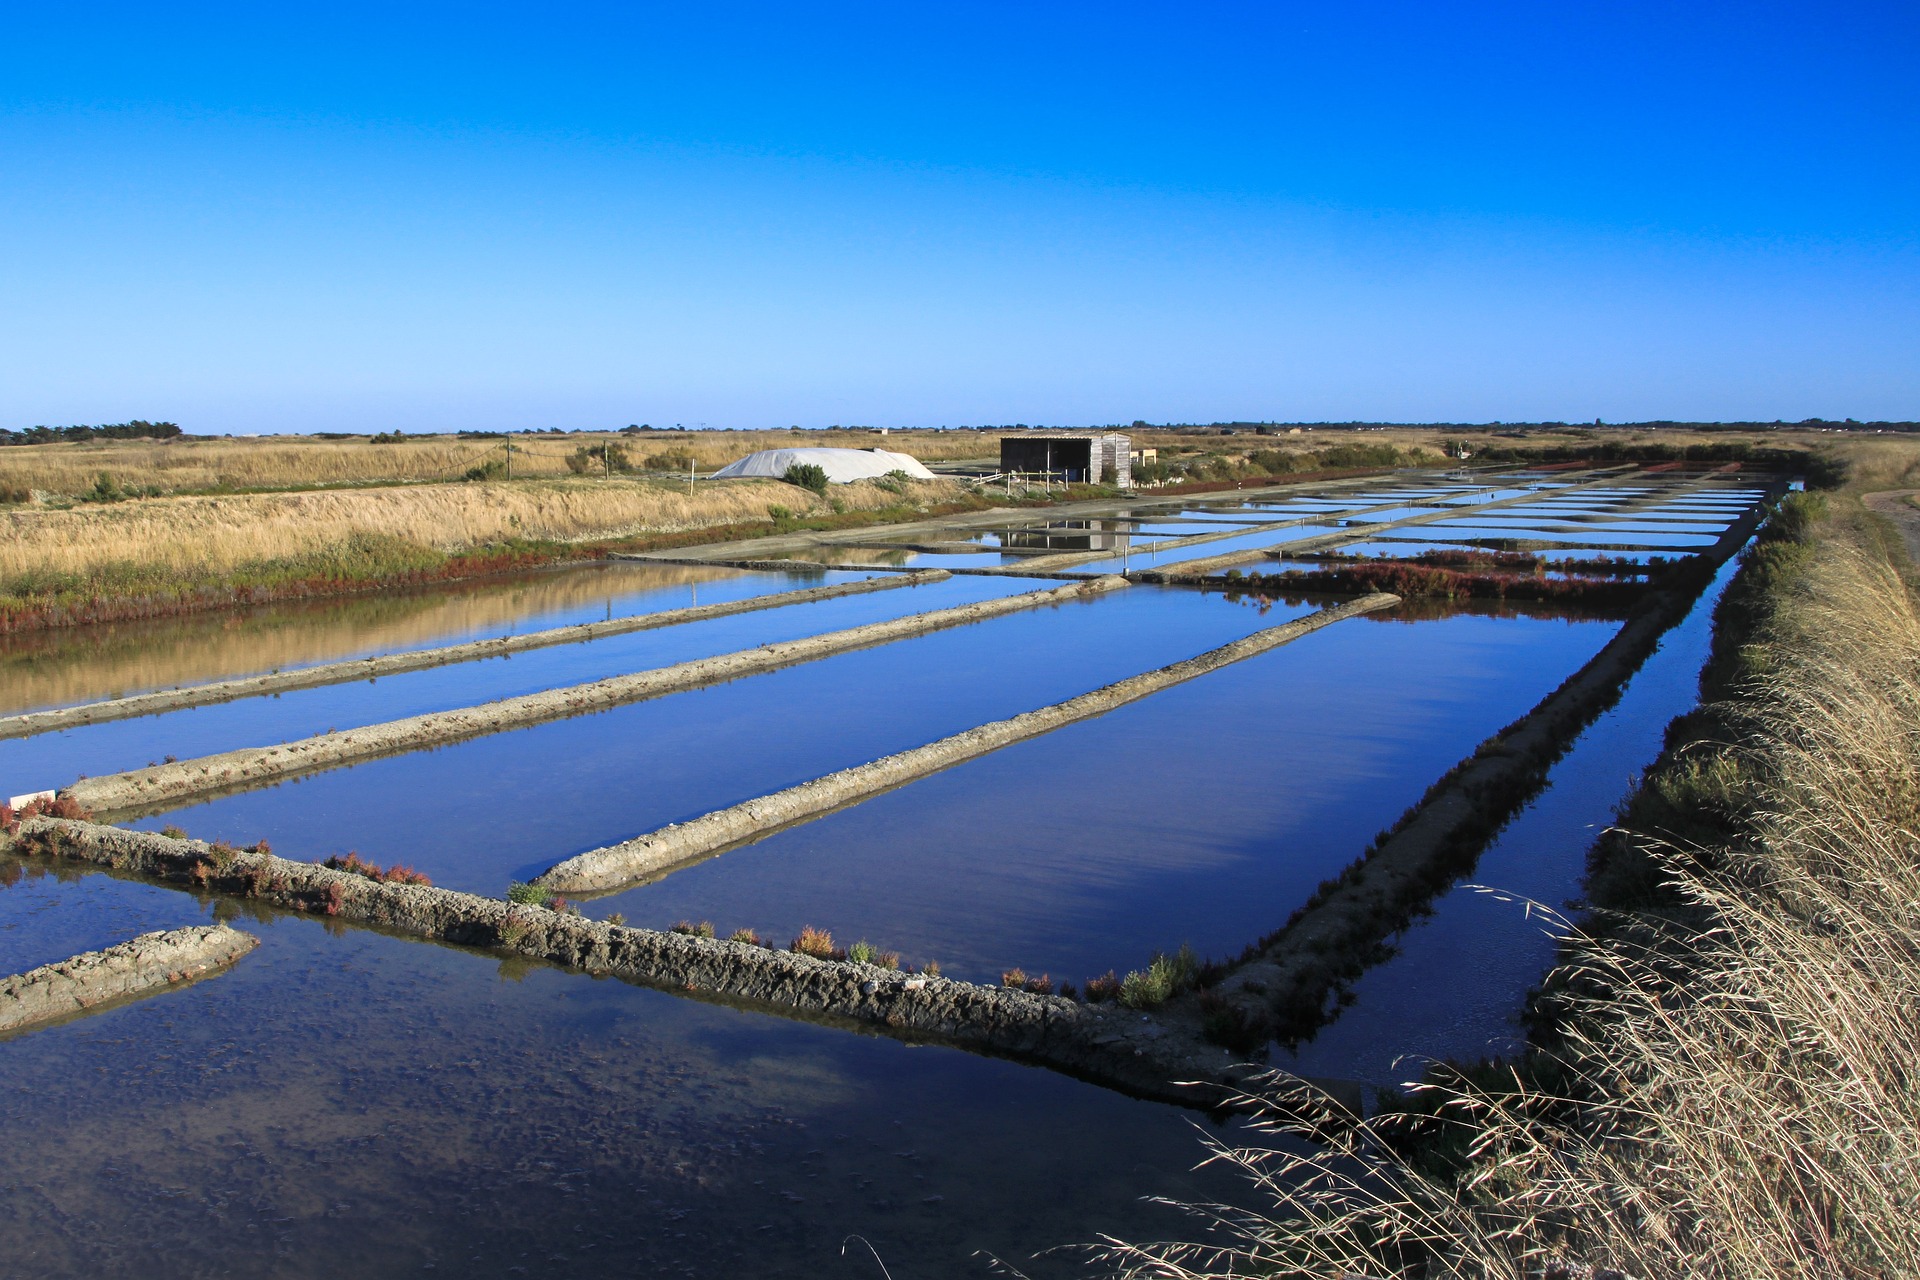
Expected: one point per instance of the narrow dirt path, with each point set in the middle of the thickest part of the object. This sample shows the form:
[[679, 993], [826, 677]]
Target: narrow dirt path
[[1894, 505]]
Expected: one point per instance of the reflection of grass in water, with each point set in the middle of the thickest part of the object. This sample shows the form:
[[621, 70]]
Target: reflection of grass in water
[[77, 664]]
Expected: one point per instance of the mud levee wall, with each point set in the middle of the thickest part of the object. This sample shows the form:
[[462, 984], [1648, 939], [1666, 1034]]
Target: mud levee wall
[[672, 846], [1284, 980], [817, 566], [145, 704], [1103, 1043], [149, 963], [163, 786]]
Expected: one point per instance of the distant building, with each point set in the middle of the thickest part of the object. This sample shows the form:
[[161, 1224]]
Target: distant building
[[1103, 457]]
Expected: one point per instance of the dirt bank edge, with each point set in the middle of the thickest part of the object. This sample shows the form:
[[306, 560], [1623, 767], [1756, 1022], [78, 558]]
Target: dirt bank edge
[[1106, 1044], [141, 966]]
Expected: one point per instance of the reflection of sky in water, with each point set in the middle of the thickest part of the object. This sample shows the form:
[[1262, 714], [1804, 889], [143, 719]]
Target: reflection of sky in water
[[56, 759], [347, 1103], [1075, 850], [1596, 535], [1415, 1003], [1087, 848], [650, 763]]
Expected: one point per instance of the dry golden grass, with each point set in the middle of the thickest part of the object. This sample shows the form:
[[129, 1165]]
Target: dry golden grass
[[1879, 463], [1743, 1101], [199, 534], [286, 462]]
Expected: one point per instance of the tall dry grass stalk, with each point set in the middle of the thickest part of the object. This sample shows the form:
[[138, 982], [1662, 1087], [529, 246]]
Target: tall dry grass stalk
[[200, 534], [1736, 1096]]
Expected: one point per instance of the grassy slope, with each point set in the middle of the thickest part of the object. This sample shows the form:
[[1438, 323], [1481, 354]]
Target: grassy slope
[[156, 557]]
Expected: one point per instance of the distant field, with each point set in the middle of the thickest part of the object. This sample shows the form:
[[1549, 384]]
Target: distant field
[[111, 529], [65, 472], [144, 557], [288, 462]]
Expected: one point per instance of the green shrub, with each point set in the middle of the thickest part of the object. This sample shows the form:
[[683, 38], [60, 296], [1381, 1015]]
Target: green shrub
[[862, 952], [529, 895], [1165, 976], [808, 476], [591, 459], [817, 943], [491, 469]]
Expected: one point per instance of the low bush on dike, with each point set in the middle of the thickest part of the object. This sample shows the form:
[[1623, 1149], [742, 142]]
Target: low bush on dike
[[354, 864], [1417, 581], [807, 475], [815, 943], [56, 807], [538, 895]]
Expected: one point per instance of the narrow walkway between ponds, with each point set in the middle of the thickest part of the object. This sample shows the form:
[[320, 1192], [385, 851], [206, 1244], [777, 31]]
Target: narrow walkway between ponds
[[614, 866], [29, 723], [167, 784]]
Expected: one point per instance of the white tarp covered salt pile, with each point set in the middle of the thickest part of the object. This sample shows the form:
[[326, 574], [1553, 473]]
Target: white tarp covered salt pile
[[843, 466]]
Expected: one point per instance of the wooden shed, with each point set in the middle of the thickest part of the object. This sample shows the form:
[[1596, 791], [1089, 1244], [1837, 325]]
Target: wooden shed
[[1096, 457]]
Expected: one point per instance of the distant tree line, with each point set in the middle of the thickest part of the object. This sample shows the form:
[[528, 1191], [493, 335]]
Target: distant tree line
[[135, 430], [1273, 428]]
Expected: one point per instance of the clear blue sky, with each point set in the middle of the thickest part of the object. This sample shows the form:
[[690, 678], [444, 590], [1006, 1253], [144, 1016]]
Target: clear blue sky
[[343, 216]]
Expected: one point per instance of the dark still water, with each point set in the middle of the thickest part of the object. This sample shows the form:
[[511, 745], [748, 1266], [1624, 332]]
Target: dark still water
[[1204, 814], [348, 1103], [352, 1104]]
